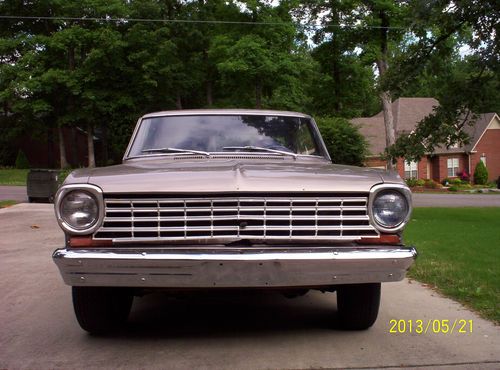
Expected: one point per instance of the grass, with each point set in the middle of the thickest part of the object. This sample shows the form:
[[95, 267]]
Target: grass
[[7, 203], [13, 176], [459, 254]]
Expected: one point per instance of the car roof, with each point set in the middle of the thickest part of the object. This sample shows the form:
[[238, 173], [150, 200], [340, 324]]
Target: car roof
[[193, 112]]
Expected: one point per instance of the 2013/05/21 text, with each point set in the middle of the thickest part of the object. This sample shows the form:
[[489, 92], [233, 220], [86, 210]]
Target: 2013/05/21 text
[[435, 326]]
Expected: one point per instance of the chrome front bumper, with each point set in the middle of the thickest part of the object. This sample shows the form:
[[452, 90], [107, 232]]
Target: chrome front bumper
[[174, 268]]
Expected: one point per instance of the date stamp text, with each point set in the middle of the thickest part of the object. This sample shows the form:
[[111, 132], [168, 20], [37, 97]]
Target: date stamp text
[[441, 326]]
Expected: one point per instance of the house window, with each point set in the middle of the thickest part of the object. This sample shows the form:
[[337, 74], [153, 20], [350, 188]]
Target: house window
[[452, 167], [411, 170]]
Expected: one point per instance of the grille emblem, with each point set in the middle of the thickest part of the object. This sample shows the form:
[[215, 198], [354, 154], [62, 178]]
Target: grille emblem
[[243, 225]]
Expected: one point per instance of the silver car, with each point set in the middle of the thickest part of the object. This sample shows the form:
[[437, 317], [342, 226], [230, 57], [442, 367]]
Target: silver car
[[215, 199]]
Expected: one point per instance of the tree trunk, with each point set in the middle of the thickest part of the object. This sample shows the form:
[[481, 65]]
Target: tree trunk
[[336, 52], [258, 95], [210, 100], [390, 134], [62, 149], [178, 101], [90, 145], [385, 96], [74, 149], [105, 154], [51, 161]]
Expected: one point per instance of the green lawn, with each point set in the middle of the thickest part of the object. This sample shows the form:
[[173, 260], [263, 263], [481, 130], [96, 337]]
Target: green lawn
[[7, 203], [13, 176], [459, 254]]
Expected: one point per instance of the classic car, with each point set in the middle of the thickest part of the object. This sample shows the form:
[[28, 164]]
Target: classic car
[[217, 199]]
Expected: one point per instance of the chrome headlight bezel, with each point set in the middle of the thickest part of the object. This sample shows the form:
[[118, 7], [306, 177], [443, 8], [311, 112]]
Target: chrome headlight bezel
[[93, 190], [404, 191]]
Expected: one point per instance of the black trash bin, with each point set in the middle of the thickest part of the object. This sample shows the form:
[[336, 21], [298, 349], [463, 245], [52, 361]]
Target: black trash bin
[[42, 185]]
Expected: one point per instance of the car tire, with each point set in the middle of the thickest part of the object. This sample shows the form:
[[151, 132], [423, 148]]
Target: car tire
[[101, 310], [358, 305]]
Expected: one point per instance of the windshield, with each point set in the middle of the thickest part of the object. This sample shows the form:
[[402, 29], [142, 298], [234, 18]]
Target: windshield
[[225, 133]]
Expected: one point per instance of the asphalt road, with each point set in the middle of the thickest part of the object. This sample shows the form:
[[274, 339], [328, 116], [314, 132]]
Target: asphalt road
[[456, 200], [236, 331], [17, 193]]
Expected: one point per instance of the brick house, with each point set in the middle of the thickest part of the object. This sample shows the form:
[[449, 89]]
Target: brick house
[[444, 162]]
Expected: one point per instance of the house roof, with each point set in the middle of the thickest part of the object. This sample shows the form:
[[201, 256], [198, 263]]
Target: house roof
[[476, 131], [474, 127], [408, 112]]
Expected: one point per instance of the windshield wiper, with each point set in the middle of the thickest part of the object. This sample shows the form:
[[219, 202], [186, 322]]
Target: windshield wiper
[[175, 150], [260, 149]]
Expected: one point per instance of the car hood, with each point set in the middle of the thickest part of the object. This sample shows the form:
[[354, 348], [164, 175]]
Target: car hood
[[232, 175]]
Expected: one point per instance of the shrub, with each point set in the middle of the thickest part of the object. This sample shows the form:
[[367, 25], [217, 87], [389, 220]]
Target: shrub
[[456, 182], [411, 182], [343, 140], [464, 176], [22, 161], [453, 188], [432, 184], [480, 174], [420, 182]]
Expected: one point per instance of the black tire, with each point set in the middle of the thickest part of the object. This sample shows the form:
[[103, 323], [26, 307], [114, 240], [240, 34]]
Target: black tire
[[101, 310], [358, 305]]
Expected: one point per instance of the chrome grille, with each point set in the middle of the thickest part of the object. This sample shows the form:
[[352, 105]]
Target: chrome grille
[[253, 217]]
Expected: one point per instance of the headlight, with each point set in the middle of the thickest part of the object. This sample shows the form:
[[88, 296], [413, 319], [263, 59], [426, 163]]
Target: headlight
[[79, 208], [390, 208]]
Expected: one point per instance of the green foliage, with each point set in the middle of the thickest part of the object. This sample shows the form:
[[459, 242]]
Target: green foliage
[[411, 182], [74, 73], [420, 182], [22, 161], [481, 174], [431, 184], [453, 188], [343, 141]]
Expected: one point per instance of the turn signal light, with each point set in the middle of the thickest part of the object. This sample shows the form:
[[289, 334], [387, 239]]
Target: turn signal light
[[382, 239], [88, 242]]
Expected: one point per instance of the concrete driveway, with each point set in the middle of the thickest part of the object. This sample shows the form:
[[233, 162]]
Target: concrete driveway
[[236, 331]]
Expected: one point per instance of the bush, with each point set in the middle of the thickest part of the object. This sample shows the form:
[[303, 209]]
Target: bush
[[432, 184], [464, 176], [411, 182], [420, 182], [453, 188], [481, 174], [22, 161], [457, 182], [343, 141]]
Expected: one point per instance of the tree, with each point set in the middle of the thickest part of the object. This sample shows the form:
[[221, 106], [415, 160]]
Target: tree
[[475, 24], [481, 174], [344, 142], [257, 59]]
